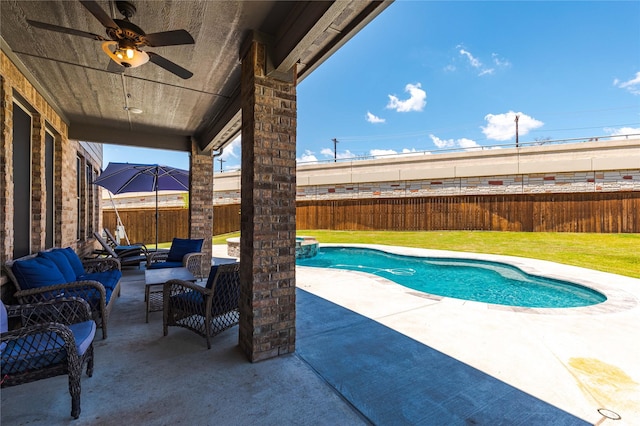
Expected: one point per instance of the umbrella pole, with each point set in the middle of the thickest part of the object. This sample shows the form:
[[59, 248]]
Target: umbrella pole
[[156, 218], [118, 220]]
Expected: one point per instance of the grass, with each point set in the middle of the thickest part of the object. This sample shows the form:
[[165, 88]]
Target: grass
[[615, 253]]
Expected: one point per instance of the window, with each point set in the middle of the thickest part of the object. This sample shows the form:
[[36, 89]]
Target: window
[[49, 171], [81, 198], [21, 181]]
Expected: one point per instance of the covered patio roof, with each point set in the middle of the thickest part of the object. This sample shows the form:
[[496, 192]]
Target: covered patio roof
[[74, 75]]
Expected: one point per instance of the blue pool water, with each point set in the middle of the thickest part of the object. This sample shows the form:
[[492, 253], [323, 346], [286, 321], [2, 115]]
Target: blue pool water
[[476, 280]]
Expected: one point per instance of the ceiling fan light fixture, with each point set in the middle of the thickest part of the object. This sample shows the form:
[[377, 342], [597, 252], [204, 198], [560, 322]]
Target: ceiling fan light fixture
[[126, 56]]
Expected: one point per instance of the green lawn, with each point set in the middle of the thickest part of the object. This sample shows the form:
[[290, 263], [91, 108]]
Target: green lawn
[[616, 253]]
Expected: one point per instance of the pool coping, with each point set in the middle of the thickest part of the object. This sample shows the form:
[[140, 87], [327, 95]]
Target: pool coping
[[618, 300]]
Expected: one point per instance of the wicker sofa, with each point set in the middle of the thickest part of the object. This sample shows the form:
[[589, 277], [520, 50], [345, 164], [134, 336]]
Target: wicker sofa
[[59, 272]]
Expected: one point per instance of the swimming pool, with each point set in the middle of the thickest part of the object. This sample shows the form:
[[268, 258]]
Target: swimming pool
[[468, 279]]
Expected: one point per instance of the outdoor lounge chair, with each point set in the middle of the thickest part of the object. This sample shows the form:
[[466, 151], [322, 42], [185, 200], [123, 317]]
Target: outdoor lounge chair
[[116, 246], [185, 253], [127, 257], [207, 310], [54, 338]]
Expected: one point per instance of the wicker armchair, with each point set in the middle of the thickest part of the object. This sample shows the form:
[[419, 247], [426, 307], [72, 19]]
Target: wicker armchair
[[183, 253], [207, 310], [54, 338]]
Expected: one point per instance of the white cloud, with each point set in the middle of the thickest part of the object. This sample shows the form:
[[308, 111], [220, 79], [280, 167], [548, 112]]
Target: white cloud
[[374, 119], [232, 151], [621, 132], [463, 143], [381, 152], [478, 64], [450, 68], [416, 101], [502, 63], [307, 157], [442, 143], [633, 85], [473, 61], [328, 152], [502, 127], [468, 144]]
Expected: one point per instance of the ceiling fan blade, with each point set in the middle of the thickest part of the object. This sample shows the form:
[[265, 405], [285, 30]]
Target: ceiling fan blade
[[99, 13], [64, 30], [169, 38], [169, 66]]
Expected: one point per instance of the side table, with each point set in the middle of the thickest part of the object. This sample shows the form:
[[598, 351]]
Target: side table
[[154, 280]]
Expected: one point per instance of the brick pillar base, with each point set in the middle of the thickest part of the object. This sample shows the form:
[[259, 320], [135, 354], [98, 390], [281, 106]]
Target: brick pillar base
[[268, 211], [201, 200]]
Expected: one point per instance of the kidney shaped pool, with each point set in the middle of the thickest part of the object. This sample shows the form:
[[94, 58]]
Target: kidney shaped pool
[[477, 280]]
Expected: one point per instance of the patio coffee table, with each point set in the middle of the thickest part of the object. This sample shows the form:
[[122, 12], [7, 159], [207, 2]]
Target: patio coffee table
[[154, 280]]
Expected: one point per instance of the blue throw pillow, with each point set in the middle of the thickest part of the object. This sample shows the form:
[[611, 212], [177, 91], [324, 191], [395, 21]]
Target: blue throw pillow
[[74, 260], [4, 323], [37, 272], [61, 262], [180, 247]]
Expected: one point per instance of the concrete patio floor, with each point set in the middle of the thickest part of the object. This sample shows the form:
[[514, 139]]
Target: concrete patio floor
[[368, 351]]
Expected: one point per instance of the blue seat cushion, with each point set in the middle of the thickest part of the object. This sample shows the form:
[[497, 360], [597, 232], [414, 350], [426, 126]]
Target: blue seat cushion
[[73, 258], [160, 265], [37, 272], [109, 279], [181, 246], [93, 297], [62, 262], [40, 350], [83, 332]]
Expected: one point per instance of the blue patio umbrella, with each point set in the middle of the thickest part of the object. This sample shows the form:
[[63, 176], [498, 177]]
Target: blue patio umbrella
[[128, 177]]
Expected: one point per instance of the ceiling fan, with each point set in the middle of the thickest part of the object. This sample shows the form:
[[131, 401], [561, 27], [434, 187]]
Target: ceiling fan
[[126, 39]]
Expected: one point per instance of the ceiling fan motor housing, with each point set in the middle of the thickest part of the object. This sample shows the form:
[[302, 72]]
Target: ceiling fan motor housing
[[127, 9]]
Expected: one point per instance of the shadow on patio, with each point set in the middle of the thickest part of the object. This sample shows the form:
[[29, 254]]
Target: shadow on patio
[[343, 360]]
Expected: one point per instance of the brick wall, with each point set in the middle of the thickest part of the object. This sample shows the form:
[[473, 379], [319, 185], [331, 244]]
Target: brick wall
[[15, 86]]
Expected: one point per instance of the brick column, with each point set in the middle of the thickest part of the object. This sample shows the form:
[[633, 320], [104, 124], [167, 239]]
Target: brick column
[[201, 199], [6, 171], [38, 184], [268, 211]]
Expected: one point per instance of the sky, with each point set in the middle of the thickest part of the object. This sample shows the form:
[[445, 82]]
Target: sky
[[427, 76]]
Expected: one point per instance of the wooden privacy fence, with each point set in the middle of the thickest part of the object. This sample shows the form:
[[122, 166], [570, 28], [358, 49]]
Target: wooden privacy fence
[[173, 222], [612, 212]]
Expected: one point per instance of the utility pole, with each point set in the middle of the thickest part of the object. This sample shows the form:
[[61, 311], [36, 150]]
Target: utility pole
[[335, 151], [221, 161], [517, 118]]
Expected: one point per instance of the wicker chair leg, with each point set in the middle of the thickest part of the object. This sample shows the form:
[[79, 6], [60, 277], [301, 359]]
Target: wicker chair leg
[[74, 390], [207, 330], [89, 356]]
